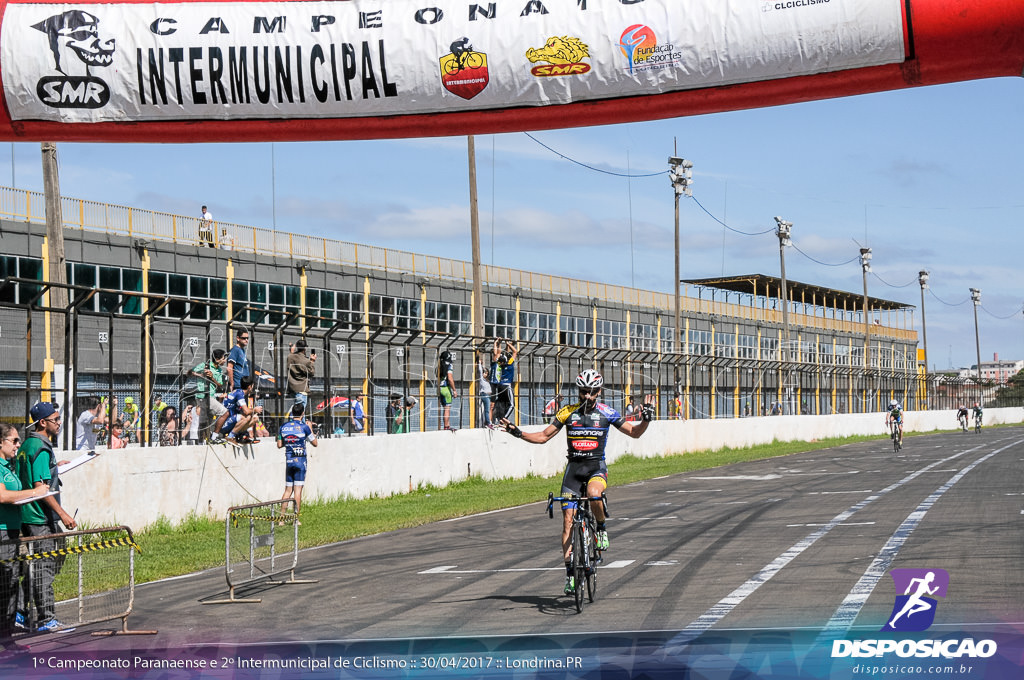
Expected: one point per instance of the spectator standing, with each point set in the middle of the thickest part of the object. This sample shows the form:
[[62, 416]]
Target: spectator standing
[[485, 394], [170, 429], [633, 410], [10, 530], [238, 361], [94, 415], [226, 241], [446, 387], [211, 385], [300, 370], [503, 372], [206, 228], [190, 424], [45, 516], [356, 415], [393, 411], [293, 437], [551, 408]]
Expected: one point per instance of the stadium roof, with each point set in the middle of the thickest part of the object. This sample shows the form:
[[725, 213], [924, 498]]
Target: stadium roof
[[771, 287]]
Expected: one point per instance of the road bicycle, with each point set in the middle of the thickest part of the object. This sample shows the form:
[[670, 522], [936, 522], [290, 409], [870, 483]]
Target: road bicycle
[[977, 424], [897, 439], [963, 422], [584, 555]]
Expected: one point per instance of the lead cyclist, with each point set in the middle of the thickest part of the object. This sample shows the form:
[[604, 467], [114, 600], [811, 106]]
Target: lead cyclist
[[586, 422]]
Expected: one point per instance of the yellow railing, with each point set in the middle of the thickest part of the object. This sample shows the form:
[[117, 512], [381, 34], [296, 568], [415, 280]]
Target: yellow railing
[[148, 224]]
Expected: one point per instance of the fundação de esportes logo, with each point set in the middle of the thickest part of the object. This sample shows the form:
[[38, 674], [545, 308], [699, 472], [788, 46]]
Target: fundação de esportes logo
[[640, 46], [915, 608], [76, 46]]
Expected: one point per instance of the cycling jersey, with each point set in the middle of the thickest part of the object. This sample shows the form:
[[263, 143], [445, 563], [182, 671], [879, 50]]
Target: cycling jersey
[[977, 412], [294, 434], [961, 413], [896, 414], [587, 433], [234, 398]]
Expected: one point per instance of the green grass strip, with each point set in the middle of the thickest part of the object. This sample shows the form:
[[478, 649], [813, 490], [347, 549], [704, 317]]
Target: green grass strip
[[198, 542]]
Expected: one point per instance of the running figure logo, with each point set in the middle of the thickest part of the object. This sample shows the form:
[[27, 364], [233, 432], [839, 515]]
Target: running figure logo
[[914, 610]]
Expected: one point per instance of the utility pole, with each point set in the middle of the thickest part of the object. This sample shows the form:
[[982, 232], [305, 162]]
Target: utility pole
[[922, 278], [474, 222], [56, 275], [783, 232], [865, 265], [976, 299], [681, 176]]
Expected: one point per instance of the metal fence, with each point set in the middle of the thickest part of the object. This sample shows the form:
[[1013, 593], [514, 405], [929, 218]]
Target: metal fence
[[261, 542], [130, 350], [89, 576]]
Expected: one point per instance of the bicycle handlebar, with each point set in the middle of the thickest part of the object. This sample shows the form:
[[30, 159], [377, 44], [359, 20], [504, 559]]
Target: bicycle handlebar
[[573, 498]]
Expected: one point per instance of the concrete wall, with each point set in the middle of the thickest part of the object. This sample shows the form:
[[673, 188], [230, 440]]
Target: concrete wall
[[136, 486]]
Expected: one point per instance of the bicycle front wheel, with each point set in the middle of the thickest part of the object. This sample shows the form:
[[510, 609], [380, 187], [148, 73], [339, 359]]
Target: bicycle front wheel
[[592, 561], [578, 564]]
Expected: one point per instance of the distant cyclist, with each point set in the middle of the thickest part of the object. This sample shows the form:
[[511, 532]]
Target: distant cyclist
[[895, 415], [961, 417], [977, 413], [586, 423]]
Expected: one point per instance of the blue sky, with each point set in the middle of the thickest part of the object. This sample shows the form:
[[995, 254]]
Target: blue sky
[[928, 178]]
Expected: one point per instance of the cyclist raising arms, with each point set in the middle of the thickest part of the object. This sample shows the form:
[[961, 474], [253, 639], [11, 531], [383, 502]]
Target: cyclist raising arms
[[961, 417], [895, 415], [587, 423]]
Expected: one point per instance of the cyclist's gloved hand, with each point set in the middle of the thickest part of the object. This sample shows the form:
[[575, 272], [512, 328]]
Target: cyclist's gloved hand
[[647, 412], [512, 429]]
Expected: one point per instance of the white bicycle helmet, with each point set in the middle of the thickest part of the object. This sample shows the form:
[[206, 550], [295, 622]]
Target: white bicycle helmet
[[893, 404], [589, 380]]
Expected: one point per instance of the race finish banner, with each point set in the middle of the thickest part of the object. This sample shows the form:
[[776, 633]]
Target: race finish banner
[[401, 62]]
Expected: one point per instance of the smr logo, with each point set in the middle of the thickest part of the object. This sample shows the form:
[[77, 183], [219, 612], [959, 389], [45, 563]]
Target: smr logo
[[914, 610], [75, 44]]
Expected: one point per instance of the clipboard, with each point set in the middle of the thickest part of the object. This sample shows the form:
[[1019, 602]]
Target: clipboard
[[23, 501], [81, 460]]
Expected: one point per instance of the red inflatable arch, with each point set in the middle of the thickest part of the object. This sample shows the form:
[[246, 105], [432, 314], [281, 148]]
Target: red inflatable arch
[[360, 69]]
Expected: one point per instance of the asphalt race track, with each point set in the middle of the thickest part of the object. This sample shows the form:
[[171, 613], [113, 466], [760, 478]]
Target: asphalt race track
[[802, 543]]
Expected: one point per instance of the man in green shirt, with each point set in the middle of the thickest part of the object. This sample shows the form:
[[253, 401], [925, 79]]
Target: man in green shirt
[[37, 468], [211, 383]]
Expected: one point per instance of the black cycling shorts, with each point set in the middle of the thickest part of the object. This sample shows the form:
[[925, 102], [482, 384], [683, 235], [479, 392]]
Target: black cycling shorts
[[578, 475]]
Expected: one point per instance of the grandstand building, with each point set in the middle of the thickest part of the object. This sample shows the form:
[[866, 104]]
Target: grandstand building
[[150, 299]]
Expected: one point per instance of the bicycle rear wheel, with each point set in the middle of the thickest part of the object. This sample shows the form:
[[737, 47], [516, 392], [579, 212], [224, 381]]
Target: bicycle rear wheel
[[578, 568]]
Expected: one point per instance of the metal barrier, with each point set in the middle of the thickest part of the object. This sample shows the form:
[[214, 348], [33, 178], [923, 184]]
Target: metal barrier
[[257, 550], [89, 575]]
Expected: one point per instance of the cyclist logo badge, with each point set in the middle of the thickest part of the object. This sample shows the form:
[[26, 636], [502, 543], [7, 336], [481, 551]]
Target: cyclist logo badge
[[914, 609], [463, 70]]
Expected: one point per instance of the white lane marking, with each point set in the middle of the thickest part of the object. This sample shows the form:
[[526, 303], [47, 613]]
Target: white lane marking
[[831, 493], [844, 616], [745, 478], [719, 610], [491, 512], [844, 524], [451, 568], [661, 563], [638, 519], [693, 491]]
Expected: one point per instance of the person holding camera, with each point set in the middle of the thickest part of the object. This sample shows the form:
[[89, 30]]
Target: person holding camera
[[300, 370]]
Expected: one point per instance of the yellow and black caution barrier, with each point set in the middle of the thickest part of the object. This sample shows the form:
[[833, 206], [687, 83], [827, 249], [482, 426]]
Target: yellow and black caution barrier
[[97, 588]]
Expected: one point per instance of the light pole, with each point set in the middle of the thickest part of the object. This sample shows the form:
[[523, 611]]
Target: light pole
[[865, 265], [922, 277], [783, 232], [681, 175], [976, 299]]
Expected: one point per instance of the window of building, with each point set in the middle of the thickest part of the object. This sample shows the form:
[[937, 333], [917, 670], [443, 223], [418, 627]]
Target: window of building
[[700, 342], [499, 323], [537, 327], [443, 317], [576, 330], [746, 347], [610, 334], [24, 268], [668, 339], [725, 345], [769, 348]]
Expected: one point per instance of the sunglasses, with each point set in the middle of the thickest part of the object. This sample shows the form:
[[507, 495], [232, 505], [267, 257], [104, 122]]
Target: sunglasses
[[585, 392], [16, 440], [53, 419]]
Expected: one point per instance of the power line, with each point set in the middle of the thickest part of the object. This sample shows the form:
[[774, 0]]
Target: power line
[[892, 285], [827, 264], [948, 304], [591, 167], [996, 316], [744, 233]]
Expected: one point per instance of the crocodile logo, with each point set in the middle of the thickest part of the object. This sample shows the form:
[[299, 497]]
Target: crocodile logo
[[564, 56]]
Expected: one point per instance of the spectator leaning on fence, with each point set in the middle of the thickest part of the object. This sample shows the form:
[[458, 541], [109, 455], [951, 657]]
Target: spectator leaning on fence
[[10, 529], [37, 468], [211, 383], [300, 370], [238, 362]]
